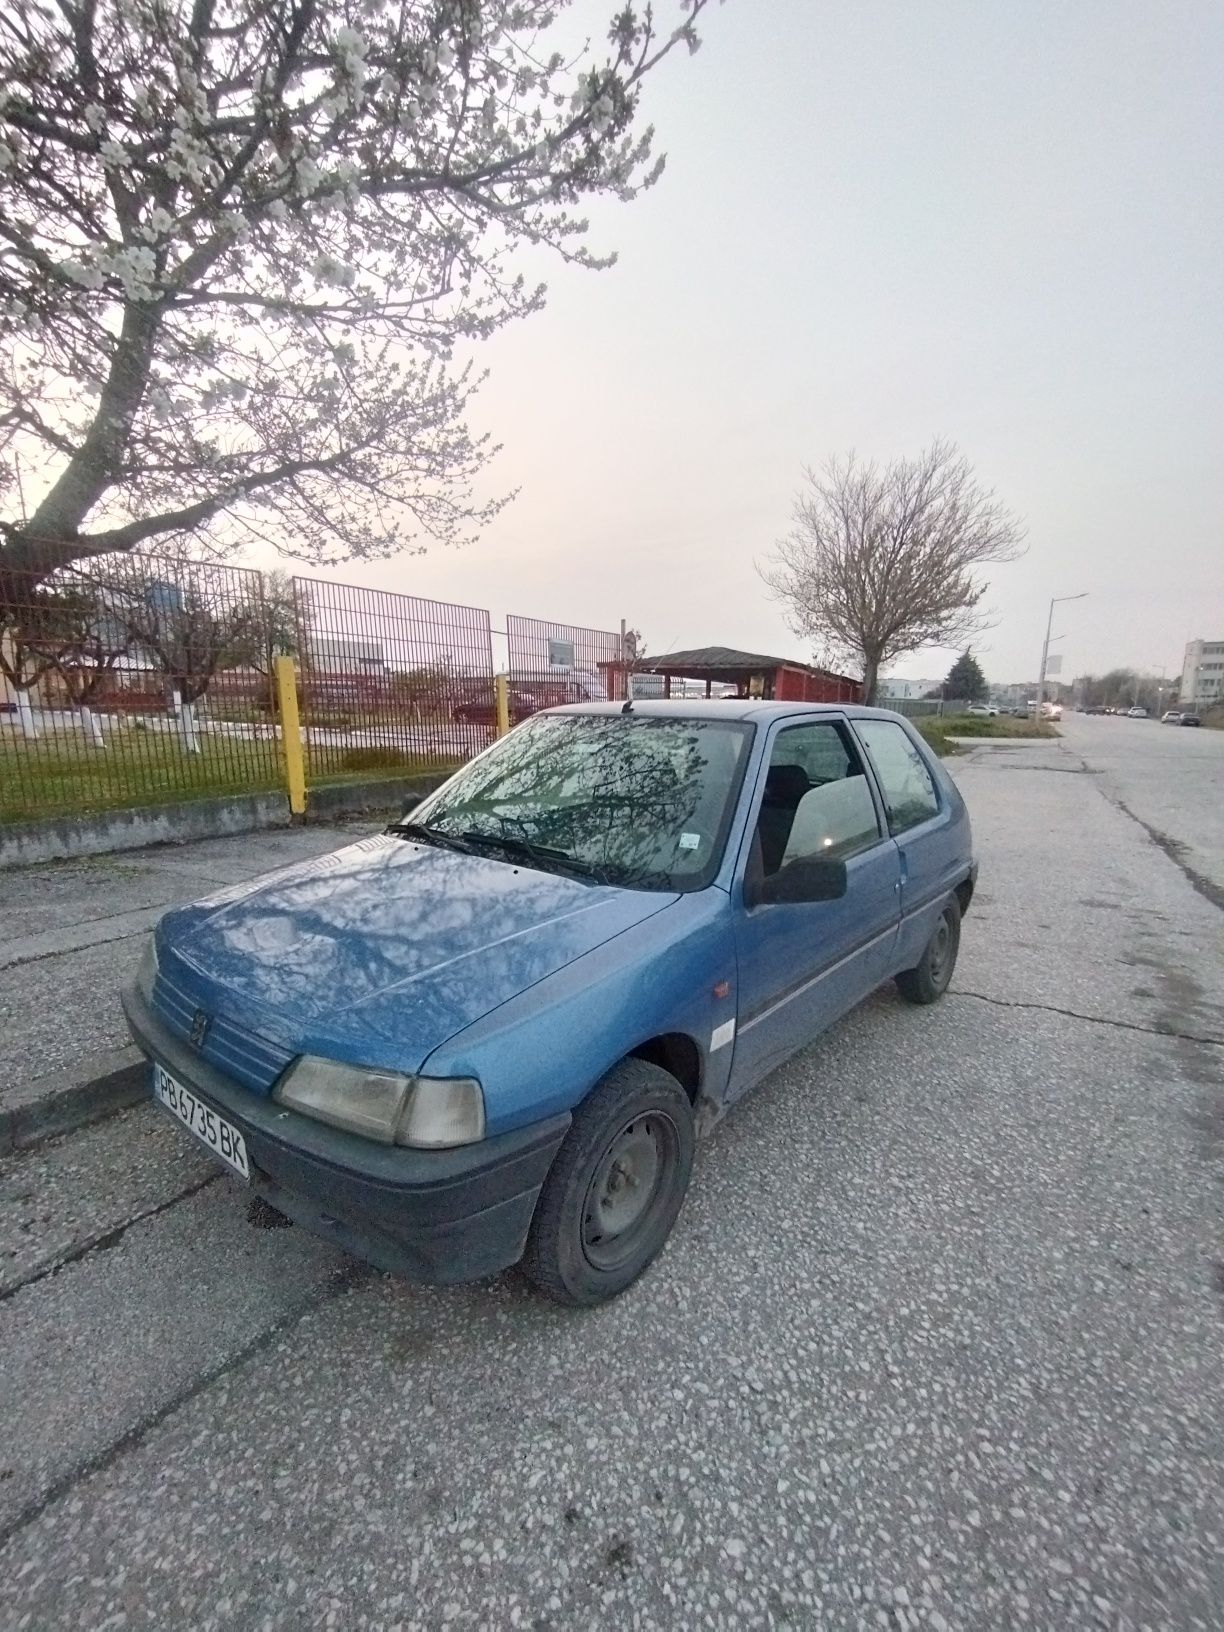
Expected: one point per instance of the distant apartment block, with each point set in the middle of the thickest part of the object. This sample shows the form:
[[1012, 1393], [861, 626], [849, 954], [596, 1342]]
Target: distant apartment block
[[893, 687], [1202, 681], [1016, 692]]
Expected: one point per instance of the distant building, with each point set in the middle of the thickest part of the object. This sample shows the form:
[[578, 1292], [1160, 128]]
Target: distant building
[[1202, 681], [892, 687], [1017, 692], [335, 655]]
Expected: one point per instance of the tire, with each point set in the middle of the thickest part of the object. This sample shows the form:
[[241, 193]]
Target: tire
[[591, 1236], [928, 980]]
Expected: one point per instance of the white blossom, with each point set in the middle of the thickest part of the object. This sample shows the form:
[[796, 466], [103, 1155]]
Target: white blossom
[[327, 269], [350, 43], [83, 272], [95, 117], [308, 176]]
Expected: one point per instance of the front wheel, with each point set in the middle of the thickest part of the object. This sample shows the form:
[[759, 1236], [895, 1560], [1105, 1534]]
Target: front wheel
[[616, 1187], [928, 980]]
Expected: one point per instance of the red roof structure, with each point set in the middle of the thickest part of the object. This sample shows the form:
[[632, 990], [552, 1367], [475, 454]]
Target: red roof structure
[[753, 674]]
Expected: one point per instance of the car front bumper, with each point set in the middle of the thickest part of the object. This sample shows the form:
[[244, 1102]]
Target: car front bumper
[[432, 1215]]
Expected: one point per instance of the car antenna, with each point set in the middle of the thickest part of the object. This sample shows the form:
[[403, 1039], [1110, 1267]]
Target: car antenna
[[627, 705]]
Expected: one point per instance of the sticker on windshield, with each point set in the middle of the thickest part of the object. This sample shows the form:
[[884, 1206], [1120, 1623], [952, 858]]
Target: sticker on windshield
[[690, 841]]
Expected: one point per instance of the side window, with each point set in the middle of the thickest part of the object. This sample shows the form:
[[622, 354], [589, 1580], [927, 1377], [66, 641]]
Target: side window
[[816, 799], [906, 783]]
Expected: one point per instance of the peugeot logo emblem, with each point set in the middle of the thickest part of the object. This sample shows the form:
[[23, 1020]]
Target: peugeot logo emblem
[[199, 1028]]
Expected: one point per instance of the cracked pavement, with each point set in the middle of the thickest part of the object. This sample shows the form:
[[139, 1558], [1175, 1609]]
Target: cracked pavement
[[939, 1340]]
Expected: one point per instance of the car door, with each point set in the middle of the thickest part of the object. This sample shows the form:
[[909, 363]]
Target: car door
[[802, 965], [926, 824]]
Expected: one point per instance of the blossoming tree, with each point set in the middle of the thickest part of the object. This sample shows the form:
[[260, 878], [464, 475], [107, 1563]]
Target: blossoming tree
[[241, 242]]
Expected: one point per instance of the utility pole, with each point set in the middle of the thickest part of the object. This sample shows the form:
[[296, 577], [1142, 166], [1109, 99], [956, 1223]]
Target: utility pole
[[1045, 645]]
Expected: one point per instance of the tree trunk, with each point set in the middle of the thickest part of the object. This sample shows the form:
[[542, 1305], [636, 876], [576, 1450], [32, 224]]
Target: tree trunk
[[186, 723], [25, 714], [91, 726], [871, 679]]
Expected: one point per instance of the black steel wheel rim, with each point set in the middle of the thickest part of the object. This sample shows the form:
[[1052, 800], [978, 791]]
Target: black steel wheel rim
[[939, 962], [627, 1195]]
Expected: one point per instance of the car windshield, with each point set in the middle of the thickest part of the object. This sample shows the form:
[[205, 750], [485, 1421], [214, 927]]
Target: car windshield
[[634, 800]]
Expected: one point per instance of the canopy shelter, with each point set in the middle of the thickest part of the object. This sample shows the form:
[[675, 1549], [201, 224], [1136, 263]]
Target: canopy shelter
[[752, 674]]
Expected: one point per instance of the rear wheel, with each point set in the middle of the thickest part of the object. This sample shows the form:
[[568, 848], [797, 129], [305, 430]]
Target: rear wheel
[[614, 1191], [928, 980]]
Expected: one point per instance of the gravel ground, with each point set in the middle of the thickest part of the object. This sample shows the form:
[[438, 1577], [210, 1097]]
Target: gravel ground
[[938, 1341]]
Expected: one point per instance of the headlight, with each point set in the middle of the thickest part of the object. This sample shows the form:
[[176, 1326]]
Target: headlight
[[146, 971], [431, 1113]]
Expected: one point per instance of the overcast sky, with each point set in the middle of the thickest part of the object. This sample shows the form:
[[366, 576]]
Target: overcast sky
[[1001, 223]]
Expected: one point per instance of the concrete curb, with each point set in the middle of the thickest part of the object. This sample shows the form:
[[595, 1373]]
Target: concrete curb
[[63, 1103], [65, 838], [1004, 742]]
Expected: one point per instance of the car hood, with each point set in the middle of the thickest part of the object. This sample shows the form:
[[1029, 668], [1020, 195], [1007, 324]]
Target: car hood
[[380, 952]]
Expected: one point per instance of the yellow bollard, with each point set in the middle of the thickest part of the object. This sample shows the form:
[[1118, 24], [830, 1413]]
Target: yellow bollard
[[291, 734], [501, 696]]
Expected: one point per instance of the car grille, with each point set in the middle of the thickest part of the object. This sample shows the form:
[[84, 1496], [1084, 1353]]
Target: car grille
[[244, 1055]]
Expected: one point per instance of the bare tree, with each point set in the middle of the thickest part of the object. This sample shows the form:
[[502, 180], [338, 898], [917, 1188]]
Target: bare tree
[[881, 561], [276, 614], [35, 634], [91, 642], [191, 625], [241, 239]]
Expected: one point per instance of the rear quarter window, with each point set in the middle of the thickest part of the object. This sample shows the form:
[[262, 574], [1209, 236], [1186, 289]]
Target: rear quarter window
[[910, 794]]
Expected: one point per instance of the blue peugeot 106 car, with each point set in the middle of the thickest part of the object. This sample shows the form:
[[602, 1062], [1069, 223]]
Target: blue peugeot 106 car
[[492, 1033]]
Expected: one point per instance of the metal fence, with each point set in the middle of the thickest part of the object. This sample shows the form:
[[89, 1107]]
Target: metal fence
[[552, 663], [390, 681], [921, 708], [129, 679]]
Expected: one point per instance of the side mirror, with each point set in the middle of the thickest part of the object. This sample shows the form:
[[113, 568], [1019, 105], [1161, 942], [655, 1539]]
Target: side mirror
[[808, 878]]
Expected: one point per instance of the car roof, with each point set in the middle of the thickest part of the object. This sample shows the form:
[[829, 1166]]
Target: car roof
[[725, 708]]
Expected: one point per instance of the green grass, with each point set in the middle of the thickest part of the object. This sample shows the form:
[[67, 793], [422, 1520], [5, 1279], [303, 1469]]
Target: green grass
[[938, 728], [61, 775]]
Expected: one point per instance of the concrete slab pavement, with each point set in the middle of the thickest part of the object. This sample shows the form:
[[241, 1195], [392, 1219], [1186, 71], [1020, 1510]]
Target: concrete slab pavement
[[1101, 924], [73, 935]]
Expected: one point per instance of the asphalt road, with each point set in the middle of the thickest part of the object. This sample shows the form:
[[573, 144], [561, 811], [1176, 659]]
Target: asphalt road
[[939, 1340], [1170, 777]]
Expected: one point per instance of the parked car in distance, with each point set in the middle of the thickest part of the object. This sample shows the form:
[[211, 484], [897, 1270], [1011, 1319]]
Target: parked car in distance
[[983, 711], [1190, 719], [492, 1033], [1051, 711], [1136, 713], [1171, 716], [483, 710]]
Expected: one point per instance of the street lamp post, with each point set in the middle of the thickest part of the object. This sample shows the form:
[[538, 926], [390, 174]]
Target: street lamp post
[[1045, 645]]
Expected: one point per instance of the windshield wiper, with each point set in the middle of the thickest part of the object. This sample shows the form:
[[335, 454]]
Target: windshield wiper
[[431, 835], [544, 856]]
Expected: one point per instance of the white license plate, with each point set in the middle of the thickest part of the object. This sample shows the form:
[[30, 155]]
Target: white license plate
[[221, 1137]]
